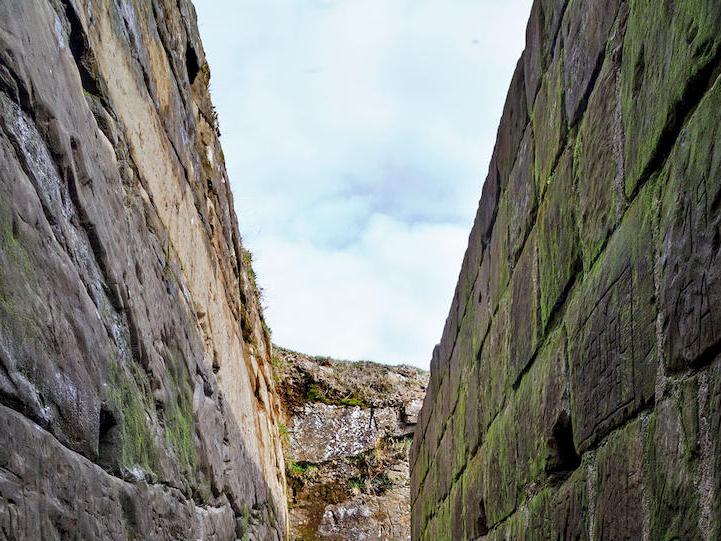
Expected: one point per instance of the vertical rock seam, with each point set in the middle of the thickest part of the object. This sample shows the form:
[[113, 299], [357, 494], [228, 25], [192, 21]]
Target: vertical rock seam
[[136, 391], [576, 390]]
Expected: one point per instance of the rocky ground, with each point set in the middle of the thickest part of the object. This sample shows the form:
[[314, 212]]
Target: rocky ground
[[348, 430]]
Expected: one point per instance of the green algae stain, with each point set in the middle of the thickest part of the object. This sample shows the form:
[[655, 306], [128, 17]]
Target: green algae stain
[[132, 402], [180, 429]]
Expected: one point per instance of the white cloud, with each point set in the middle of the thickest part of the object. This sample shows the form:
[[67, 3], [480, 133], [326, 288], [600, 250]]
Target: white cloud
[[357, 135], [375, 299]]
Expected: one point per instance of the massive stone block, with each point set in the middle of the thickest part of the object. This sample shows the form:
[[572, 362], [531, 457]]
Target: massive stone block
[[499, 270], [523, 192], [690, 286], [599, 151], [670, 446], [494, 367], [616, 479], [557, 238], [671, 53], [549, 120], [525, 314], [510, 130], [541, 35], [612, 332], [585, 31]]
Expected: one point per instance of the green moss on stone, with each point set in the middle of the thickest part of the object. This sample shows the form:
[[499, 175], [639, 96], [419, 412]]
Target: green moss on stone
[[459, 434], [558, 253], [668, 50], [244, 523], [499, 260], [180, 429], [11, 246], [549, 123], [499, 468], [132, 402]]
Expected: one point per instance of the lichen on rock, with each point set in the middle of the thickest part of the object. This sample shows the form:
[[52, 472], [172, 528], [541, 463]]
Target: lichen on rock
[[349, 426]]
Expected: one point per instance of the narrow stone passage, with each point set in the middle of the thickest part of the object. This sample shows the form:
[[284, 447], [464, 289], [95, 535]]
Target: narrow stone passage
[[575, 392]]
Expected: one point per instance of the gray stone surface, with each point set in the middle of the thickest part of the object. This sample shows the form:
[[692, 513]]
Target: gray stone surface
[[323, 432], [136, 396]]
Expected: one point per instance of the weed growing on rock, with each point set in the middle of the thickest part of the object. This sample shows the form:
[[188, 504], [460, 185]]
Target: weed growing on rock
[[302, 471]]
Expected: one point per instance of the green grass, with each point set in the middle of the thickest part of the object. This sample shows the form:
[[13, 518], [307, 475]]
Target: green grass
[[356, 484], [353, 401], [247, 259], [301, 471], [316, 394]]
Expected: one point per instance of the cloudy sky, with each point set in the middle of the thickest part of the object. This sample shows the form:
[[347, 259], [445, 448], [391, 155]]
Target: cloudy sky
[[357, 135]]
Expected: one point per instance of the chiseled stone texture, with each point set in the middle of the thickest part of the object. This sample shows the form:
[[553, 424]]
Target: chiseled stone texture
[[136, 394], [349, 428], [575, 390]]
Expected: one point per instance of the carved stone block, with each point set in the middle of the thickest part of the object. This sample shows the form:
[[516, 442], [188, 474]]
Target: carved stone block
[[690, 288], [612, 330]]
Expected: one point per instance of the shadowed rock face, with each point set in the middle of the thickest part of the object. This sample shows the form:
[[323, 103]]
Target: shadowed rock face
[[136, 397], [575, 393], [347, 438]]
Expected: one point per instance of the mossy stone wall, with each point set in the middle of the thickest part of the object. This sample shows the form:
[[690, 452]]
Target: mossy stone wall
[[576, 390]]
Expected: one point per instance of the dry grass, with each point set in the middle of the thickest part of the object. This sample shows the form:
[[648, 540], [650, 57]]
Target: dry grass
[[344, 383]]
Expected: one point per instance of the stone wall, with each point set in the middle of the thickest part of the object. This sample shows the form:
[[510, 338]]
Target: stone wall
[[576, 391], [136, 395], [349, 428]]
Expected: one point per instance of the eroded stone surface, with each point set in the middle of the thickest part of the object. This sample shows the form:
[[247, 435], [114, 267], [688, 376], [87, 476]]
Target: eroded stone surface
[[600, 155], [612, 330], [557, 238], [691, 229], [323, 432], [131, 339], [368, 518]]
